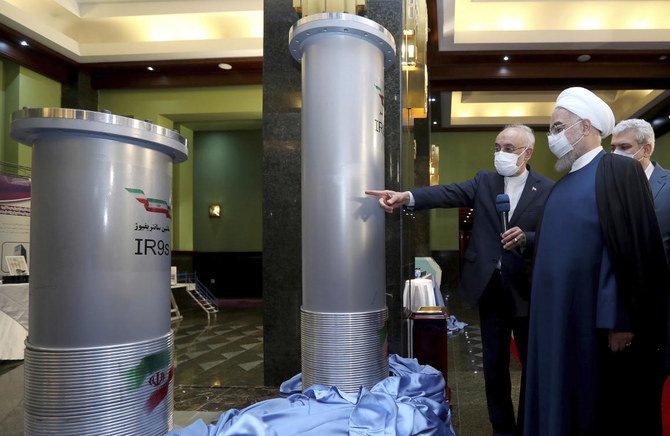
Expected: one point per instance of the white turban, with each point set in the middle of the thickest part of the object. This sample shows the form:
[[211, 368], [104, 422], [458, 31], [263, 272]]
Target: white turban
[[587, 105]]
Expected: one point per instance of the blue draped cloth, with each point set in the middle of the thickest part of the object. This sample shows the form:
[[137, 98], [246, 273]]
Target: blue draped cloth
[[410, 402]]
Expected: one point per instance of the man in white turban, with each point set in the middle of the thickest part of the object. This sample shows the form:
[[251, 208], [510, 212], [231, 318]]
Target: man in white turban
[[583, 105], [599, 288]]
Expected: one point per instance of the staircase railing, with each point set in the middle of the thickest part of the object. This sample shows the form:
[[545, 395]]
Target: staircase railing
[[199, 292], [205, 292]]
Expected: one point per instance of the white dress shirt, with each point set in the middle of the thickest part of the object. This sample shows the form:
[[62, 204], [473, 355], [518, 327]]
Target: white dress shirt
[[585, 159], [649, 170], [514, 187]]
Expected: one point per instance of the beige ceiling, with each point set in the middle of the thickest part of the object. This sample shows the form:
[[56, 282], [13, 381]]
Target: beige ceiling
[[532, 107], [138, 30], [552, 24]]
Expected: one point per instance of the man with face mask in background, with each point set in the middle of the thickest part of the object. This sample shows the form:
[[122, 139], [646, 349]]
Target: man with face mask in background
[[497, 264], [599, 287], [635, 138]]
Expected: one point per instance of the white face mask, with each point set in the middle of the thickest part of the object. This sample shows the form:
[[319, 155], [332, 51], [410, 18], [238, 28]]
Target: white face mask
[[505, 163], [632, 156], [559, 144]]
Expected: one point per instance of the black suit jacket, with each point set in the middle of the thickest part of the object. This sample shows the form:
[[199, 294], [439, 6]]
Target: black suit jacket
[[633, 239], [485, 249]]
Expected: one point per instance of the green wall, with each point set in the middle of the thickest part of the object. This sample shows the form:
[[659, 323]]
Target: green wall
[[182, 198], [176, 108], [461, 156], [22, 87], [228, 171], [662, 151]]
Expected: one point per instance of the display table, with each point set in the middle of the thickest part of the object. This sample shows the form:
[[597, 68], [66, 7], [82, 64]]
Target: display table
[[13, 320], [416, 294]]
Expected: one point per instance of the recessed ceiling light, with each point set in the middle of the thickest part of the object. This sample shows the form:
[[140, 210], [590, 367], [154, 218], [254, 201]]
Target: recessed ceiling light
[[150, 68], [24, 43], [225, 66], [662, 58], [434, 122], [583, 58], [506, 58]]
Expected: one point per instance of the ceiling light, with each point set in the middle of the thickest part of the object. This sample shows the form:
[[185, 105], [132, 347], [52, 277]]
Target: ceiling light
[[434, 122], [150, 68], [506, 58], [662, 58], [583, 58], [24, 43], [225, 66]]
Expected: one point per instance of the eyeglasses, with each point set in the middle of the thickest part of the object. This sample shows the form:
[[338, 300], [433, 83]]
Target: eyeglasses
[[506, 148], [558, 128]]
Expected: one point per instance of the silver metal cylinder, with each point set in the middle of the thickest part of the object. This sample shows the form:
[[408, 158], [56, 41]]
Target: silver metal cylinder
[[343, 58], [99, 273]]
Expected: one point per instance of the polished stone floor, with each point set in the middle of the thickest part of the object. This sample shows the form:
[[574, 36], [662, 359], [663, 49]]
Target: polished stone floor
[[465, 374], [219, 366]]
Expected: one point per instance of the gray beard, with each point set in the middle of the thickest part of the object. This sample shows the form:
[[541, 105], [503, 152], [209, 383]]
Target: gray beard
[[565, 162]]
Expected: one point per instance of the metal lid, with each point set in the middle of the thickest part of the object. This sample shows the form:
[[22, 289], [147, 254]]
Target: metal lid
[[343, 24], [28, 124]]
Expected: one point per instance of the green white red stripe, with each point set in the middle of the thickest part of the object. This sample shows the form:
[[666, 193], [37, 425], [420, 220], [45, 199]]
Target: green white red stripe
[[150, 365], [154, 205], [147, 366]]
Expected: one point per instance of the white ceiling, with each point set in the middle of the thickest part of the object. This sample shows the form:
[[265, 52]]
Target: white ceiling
[[137, 30], [552, 24], [532, 107]]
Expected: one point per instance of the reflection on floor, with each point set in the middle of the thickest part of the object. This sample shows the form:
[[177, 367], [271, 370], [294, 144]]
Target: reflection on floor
[[219, 366], [219, 361], [226, 350], [465, 374]]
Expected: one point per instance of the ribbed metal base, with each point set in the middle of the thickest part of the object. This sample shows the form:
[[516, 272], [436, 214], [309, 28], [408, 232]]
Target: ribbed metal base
[[121, 389], [347, 350]]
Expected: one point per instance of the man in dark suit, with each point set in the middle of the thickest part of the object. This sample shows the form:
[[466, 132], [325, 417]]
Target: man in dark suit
[[635, 138], [496, 270]]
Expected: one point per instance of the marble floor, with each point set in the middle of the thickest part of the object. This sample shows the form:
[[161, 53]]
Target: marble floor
[[465, 374], [219, 366]]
